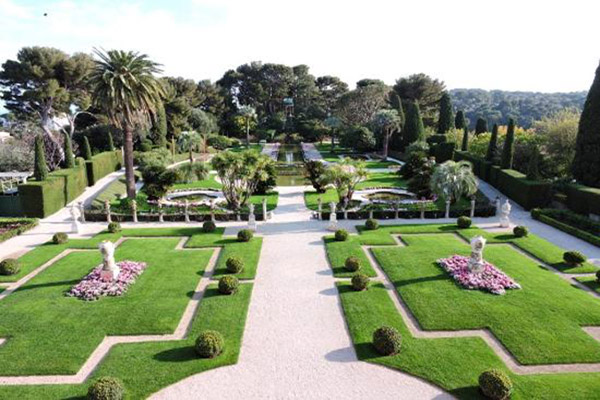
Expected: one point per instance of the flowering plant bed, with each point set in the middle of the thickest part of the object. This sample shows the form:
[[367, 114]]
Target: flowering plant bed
[[490, 278], [92, 286]]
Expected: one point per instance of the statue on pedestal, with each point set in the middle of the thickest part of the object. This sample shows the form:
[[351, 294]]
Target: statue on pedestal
[[75, 214], [186, 210], [251, 218], [264, 209], [110, 270], [332, 217], [476, 263], [504, 214], [134, 210]]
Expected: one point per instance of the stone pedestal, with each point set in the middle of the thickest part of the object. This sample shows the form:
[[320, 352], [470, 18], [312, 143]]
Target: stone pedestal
[[333, 226], [251, 218], [75, 214], [134, 211], [472, 213], [107, 210], [447, 215], [186, 210], [161, 217], [264, 210]]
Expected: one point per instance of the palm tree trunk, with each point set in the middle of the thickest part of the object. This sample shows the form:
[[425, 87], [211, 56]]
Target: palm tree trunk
[[128, 156], [386, 143], [248, 132], [332, 142]]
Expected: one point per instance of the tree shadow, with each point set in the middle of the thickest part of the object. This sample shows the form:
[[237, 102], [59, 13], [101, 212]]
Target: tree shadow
[[467, 392], [178, 354], [48, 284], [343, 355], [406, 282]]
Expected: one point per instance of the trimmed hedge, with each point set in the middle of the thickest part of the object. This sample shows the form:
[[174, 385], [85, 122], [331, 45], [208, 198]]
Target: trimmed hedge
[[103, 164], [583, 199], [23, 224], [567, 223]]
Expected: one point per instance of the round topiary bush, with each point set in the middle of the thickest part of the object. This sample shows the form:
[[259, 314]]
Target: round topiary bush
[[60, 238], [574, 257], [495, 384], [234, 264], [387, 340], [341, 235], [106, 388], [209, 226], [352, 264], [114, 227], [520, 231], [245, 235], [371, 224], [535, 213], [10, 266], [228, 284], [463, 222], [209, 344], [360, 282]]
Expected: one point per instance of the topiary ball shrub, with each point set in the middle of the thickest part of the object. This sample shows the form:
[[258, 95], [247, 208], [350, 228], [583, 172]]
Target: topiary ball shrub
[[245, 235], [209, 344], [228, 284], [352, 264], [114, 227], [387, 340], [209, 226], [520, 231], [463, 222], [360, 282], [106, 388], [371, 224], [234, 264], [495, 384], [535, 213], [60, 238], [10, 266], [341, 235], [574, 258]]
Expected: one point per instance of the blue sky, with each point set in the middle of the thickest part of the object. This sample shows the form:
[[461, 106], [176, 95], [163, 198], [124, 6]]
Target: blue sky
[[512, 45]]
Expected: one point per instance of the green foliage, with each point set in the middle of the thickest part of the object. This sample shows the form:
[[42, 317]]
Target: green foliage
[[157, 181], [444, 152], [574, 258], [106, 388], [446, 119], [423, 89], [9, 266], [352, 264], [87, 150], [99, 137], [192, 172], [68, 149], [111, 142], [219, 142], [234, 264], [520, 231], [15, 226], [371, 224], [465, 140], [245, 235], [414, 131], [508, 148], [228, 284], [40, 169], [60, 238], [453, 180], [495, 384], [103, 164], [533, 172], [114, 227], [208, 227], [387, 341], [341, 235], [345, 176], [209, 344], [359, 282], [481, 126], [158, 132], [463, 222], [358, 137], [157, 157], [420, 181], [516, 186], [459, 120], [313, 171], [493, 145]]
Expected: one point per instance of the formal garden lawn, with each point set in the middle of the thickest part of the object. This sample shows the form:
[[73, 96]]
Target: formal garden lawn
[[50, 333], [539, 324], [328, 155]]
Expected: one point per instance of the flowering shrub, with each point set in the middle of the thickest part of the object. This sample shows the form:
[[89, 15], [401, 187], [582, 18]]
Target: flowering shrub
[[490, 278], [92, 286]]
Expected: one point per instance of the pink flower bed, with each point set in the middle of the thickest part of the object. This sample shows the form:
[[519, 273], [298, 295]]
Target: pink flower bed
[[92, 287], [490, 278]]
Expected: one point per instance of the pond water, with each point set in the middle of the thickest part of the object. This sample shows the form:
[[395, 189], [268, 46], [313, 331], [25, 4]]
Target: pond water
[[290, 171], [193, 197], [388, 196]]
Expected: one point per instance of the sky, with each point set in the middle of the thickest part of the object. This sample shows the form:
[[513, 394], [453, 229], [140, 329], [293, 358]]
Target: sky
[[528, 45]]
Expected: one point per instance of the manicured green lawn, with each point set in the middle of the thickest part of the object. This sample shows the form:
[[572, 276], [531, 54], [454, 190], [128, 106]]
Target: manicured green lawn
[[328, 155]]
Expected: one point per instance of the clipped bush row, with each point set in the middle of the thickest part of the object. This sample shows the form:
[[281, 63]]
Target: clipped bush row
[[572, 223], [15, 226]]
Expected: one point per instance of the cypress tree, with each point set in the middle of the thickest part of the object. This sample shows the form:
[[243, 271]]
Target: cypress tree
[[493, 145], [396, 103], [465, 140], [509, 146], [40, 169], [69, 160], [446, 121], [87, 150], [414, 131], [586, 165], [533, 172], [481, 126], [158, 133], [111, 143], [459, 120]]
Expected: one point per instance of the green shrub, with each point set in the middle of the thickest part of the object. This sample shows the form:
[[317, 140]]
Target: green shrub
[[15, 226], [114, 227], [103, 164], [359, 282], [60, 238], [463, 222], [157, 180], [495, 384], [10, 266], [245, 235], [371, 224], [574, 258], [234, 264], [106, 388], [341, 235], [598, 276], [208, 226], [209, 344], [520, 231], [387, 340], [146, 146], [352, 264], [228, 284], [535, 213]]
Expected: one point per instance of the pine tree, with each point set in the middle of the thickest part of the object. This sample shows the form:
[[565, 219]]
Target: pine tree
[[459, 120], [481, 126], [111, 143], [586, 165], [158, 133], [87, 150], [509, 146], [40, 169], [465, 140], [69, 159], [446, 121], [493, 145], [414, 131]]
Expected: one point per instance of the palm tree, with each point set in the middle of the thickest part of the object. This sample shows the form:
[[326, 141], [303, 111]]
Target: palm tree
[[126, 89], [452, 180], [189, 141], [389, 122], [249, 114], [344, 176]]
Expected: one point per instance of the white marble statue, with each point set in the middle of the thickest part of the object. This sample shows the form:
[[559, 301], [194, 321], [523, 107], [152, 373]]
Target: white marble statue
[[251, 217], [82, 211], [332, 218], [505, 214], [75, 215], [110, 270], [134, 210], [186, 210], [264, 209], [476, 261]]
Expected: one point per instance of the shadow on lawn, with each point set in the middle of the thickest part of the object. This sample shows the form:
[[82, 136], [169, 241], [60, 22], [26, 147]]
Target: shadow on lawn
[[49, 284], [406, 282], [178, 354], [467, 392]]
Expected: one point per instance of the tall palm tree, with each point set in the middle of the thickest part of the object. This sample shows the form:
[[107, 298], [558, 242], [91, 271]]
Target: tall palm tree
[[249, 114], [126, 89], [452, 180], [388, 121]]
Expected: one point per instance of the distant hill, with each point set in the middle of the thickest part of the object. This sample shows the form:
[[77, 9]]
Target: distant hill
[[498, 105]]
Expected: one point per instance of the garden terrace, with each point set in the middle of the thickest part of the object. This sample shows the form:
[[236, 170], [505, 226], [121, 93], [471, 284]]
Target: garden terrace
[[334, 156]]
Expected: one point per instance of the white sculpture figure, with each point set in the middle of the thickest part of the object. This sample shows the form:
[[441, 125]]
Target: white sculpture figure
[[110, 270], [160, 212], [332, 218], [134, 210], [82, 211], [264, 209], [75, 214], [251, 218], [186, 210], [107, 209], [447, 209], [320, 208], [472, 213], [504, 214], [212, 210], [476, 263]]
